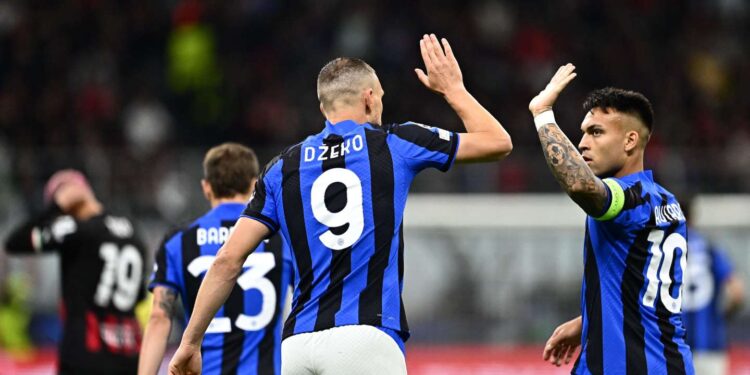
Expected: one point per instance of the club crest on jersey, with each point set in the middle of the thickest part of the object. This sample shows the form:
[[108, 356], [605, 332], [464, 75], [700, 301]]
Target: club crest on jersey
[[212, 235], [668, 214], [325, 152]]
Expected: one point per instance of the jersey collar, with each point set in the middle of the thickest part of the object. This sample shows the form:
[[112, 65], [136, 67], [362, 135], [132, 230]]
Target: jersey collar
[[641, 175], [228, 206], [342, 127]]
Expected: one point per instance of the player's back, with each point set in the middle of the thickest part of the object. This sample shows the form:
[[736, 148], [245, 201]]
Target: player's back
[[632, 288], [338, 198], [707, 271], [245, 335], [102, 263]]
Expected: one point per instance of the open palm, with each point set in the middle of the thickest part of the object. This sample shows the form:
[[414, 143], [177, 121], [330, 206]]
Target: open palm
[[547, 97]]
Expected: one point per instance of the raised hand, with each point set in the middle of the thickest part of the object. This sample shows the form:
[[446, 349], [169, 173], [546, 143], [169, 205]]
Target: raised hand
[[547, 97], [443, 73], [563, 343]]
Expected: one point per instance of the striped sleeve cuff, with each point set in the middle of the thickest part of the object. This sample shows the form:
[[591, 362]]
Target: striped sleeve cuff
[[452, 153], [263, 219]]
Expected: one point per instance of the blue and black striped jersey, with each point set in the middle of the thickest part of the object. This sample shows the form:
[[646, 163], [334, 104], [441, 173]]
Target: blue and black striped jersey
[[635, 257], [338, 200], [708, 269], [245, 335]]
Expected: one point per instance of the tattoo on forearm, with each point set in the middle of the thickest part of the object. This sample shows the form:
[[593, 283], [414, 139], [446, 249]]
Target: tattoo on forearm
[[167, 301], [569, 168]]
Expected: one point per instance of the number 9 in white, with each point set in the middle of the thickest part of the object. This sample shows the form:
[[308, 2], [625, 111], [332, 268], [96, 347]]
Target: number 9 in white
[[351, 215]]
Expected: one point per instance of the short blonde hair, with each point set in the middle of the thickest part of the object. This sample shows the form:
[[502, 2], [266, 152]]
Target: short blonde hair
[[342, 79]]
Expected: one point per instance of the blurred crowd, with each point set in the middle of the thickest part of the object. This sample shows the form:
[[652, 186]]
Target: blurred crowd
[[127, 90]]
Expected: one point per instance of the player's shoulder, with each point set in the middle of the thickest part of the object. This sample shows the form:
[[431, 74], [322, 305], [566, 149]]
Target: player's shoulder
[[420, 134], [666, 208], [107, 224], [285, 154], [119, 225], [410, 128], [173, 235]]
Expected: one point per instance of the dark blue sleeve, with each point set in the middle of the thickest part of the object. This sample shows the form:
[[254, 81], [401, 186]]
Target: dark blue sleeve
[[263, 206], [422, 146], [165, 272], [626, 204]]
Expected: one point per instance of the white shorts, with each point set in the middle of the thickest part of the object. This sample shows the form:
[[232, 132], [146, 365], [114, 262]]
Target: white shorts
[[710, 363], [347, 350]]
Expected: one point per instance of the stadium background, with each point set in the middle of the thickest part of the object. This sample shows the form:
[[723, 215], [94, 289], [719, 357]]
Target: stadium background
[[134, 92]]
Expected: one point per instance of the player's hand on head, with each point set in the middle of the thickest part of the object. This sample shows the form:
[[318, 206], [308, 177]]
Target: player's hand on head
[[186, 361], [443, 73], [68, 196], [547, 97]]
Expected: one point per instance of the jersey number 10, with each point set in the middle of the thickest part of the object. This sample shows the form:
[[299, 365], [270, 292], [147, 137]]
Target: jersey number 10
[[662, 253]]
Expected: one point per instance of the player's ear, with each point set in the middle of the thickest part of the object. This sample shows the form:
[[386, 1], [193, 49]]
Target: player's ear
[[632, 138], [207, 191], [368, 97], [252, 185], [323, 111]]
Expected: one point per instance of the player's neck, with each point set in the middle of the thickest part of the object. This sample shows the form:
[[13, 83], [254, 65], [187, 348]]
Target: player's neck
[[239, 198], [344, 114], [632, 165]]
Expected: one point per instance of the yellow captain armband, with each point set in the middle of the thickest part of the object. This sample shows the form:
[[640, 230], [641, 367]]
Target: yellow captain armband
[[616, 203]]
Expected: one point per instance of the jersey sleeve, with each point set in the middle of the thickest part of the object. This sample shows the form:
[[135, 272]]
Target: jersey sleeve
[[722, 267], [263, 206], [621, 200], [422, 146], [615, 200], [165, 270], [44, 233]]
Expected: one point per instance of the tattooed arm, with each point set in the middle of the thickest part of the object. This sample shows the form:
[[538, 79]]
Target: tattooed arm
[[157, 331], [571, 171], [566, 163]]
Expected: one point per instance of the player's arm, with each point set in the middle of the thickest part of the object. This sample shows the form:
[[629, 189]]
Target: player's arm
[[36, 235], [486, 139], [157, 330], [45, 232], [215, 289], [734, 291], [564, 160]]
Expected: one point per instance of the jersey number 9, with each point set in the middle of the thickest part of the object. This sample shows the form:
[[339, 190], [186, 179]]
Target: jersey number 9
[[351, 215]]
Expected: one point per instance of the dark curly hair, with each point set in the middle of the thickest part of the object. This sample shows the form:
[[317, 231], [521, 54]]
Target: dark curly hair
[[625, 101]]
